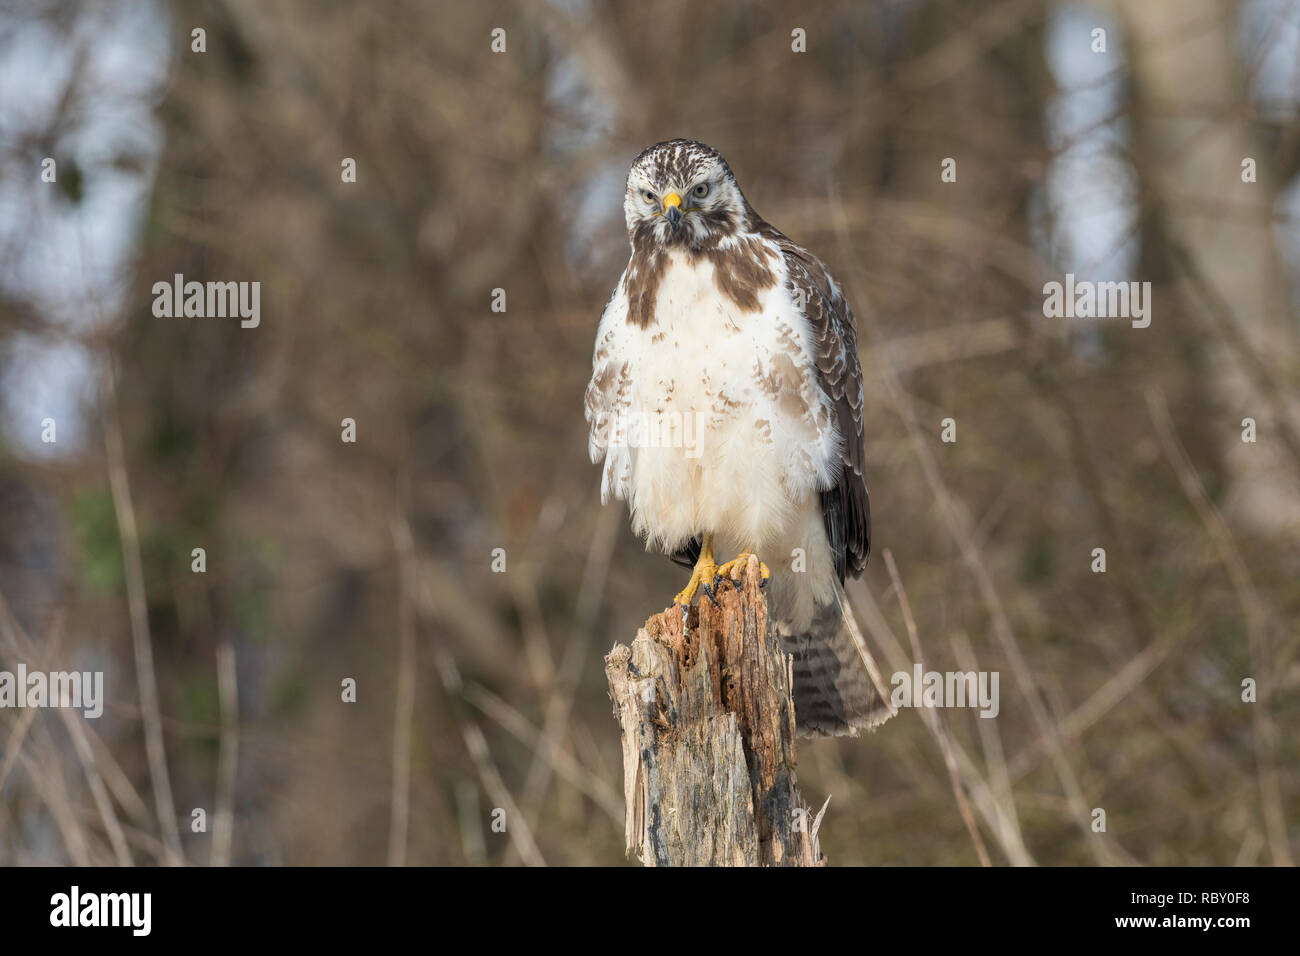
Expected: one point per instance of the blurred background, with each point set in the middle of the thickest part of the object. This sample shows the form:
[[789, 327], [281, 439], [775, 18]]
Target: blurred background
[[1112, 156]]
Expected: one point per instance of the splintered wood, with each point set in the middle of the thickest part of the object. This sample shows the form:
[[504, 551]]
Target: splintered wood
[[708, 737]]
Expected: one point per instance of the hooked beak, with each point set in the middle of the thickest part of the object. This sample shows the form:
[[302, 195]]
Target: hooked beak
[[673, 210]]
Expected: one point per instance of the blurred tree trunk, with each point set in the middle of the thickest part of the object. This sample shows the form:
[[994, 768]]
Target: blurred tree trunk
[[1193, 134], [708, 738]]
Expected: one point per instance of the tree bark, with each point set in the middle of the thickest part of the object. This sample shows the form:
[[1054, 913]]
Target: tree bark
[[708, 732]]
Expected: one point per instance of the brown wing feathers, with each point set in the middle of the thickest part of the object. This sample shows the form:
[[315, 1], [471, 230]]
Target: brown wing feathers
[[846, 507]]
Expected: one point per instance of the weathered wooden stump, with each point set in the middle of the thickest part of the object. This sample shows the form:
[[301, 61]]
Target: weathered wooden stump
[[709, 737]]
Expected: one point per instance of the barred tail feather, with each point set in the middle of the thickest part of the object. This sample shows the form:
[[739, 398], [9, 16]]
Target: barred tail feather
[[838, 690]]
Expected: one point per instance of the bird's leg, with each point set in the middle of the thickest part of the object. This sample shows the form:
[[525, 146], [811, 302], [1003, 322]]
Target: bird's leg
[[703, 575], [736, 567]]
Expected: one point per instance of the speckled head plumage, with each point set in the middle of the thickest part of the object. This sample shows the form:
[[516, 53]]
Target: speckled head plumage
[[682, 193]]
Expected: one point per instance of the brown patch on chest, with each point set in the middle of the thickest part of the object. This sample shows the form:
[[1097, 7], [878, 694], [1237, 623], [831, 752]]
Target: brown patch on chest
[[741, 271], [641, 284]]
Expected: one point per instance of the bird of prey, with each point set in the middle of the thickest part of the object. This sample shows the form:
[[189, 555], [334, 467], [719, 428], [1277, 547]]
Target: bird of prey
[[726, 406]]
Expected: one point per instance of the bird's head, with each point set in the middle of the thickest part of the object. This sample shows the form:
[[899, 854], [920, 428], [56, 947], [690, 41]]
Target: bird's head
[[682, 193]]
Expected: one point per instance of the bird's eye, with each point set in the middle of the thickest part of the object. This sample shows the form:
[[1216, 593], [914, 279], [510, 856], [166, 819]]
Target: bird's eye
[[700, 191], [649, 196]]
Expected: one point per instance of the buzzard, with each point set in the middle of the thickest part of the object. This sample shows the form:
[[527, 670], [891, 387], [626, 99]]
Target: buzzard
[[725, 404]]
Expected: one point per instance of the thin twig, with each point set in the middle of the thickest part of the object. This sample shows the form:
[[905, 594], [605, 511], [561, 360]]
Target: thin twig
[[98, 792], [471, 824], [561, 761], [404, 707], [517, 828], [999, 818], [930, 717], [1270, 791], [990, 740], [559, 706], [223, 823], [23, 645], [133, 568]]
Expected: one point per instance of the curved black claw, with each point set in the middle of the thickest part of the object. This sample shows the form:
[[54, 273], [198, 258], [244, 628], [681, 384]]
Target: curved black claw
[[710, 590]]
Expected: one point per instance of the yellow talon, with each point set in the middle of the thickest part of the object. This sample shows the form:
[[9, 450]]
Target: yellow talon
[[735, 568], [704, 573]]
